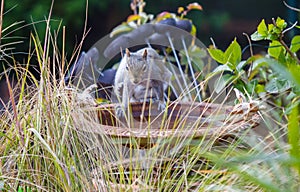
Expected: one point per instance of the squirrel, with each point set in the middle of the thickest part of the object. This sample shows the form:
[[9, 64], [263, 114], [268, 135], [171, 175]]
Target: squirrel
[[141, 76]]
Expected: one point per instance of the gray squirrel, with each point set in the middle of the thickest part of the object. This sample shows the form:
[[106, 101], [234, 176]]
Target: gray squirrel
[[141, 77]]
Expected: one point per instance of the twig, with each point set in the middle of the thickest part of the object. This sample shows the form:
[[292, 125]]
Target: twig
[[281, 41], [288, 50], [251, 51], [290, 7], [250, 44], [213, 42], [286, 30]]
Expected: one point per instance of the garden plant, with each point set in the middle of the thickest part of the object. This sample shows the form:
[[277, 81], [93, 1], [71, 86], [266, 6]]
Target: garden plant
[[52, 139]]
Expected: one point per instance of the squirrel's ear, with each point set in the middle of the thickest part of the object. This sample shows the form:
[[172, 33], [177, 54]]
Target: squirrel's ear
[[127, 52], [145, 54]]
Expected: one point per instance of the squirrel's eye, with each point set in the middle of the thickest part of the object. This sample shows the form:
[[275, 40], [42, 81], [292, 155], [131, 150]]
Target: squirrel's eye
[[127, 68]]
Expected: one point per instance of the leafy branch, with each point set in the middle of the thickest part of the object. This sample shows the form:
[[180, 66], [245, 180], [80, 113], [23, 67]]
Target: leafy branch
[[274, 32]]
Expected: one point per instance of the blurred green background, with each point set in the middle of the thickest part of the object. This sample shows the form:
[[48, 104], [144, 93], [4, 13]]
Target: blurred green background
[[220, 20]]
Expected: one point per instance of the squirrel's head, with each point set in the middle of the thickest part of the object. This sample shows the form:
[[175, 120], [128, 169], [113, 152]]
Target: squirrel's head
[[137, 66]]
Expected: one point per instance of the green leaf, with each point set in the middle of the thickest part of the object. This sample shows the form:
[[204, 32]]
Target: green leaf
[[196, 55], [256, 36], [241, 65], [273, 36], [277, 31], [233, 54], [194, 30], [270, 28], [278, 85], [198, 64], [222, 68], [295, 44], [217, 55], [290, 97], [260, 88], [262, 28], [291, 73], [275, 49], [281, 23], [221, 83], [124, 27], [251, 86], [219, 70], [260, 63]]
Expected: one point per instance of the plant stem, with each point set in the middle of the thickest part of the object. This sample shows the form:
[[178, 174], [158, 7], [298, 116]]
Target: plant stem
[[141, 5], [251, 52], [288, 50], [285, 45]]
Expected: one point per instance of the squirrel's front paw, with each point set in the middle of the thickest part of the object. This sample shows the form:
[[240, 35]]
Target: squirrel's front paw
[[119, 112], [161, 105]]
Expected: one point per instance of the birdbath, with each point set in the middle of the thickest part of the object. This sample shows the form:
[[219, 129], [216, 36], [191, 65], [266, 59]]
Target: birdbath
[[192, 120]]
